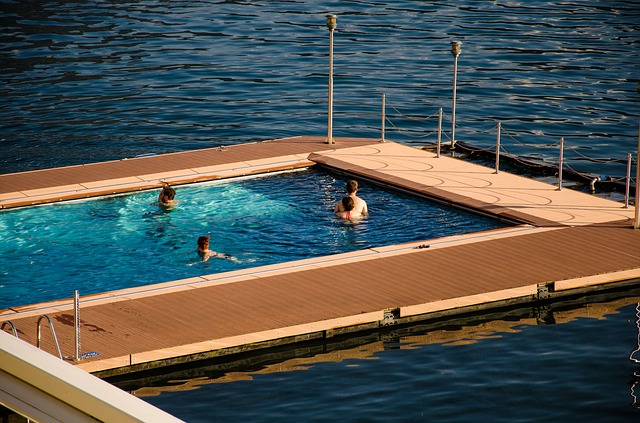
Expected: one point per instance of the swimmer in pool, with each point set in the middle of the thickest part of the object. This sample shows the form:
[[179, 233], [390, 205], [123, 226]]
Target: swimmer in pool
[[348, 213], [206, 253], [360, 206], [166, 199]]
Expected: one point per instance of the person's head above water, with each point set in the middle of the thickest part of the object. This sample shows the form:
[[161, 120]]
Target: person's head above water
[[168, 192], [203, 243], [352, 186]]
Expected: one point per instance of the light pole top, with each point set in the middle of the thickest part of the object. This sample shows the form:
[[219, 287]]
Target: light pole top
[[455, 48], [331, 22]]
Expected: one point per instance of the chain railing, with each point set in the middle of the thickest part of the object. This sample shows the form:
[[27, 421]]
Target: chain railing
[[563, 162]]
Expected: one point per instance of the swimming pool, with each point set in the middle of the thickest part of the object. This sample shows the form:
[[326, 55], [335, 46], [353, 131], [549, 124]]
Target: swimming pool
[[126, 241]]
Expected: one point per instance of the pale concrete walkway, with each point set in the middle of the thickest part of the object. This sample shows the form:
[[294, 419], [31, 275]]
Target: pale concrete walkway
[[476, 187]]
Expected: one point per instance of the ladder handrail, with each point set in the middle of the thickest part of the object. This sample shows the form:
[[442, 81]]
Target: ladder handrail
[[13, 327], [53, 332]]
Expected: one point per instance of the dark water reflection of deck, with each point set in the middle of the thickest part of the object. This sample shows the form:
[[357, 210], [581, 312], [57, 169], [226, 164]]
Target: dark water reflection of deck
[[520, 355]]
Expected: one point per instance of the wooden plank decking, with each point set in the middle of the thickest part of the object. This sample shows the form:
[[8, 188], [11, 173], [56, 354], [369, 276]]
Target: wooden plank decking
[[66, 183], [572, 241]]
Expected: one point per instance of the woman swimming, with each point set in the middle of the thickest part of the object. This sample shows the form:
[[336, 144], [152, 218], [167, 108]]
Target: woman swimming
[[348, 213]]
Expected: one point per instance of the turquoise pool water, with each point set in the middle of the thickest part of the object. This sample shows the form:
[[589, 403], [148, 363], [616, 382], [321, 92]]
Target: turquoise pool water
[[125, 241]]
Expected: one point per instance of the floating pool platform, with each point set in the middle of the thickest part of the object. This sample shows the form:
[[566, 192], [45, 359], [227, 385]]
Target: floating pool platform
[[562, 243]]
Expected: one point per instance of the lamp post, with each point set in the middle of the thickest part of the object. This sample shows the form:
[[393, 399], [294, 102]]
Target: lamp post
[[331, 24], [455, 51]]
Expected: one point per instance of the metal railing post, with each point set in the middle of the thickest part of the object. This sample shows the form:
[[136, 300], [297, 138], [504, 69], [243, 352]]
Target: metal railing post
[[384, 113], [560, 164], [455, 51], [439, 132], [628, 182], [636, 220], [76, 308], [498, 148]]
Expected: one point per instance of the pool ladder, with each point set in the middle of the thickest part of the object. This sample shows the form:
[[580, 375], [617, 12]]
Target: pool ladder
[[43, 317], [13, 327]]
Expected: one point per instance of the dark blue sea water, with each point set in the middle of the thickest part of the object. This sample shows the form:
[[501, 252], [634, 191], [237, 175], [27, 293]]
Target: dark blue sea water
[[101, 80], [498, 371]]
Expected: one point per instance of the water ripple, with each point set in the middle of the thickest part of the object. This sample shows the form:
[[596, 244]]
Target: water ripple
[[138, 77]]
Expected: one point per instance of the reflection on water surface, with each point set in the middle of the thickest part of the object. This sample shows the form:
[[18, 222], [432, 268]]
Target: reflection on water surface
[[492, 353]]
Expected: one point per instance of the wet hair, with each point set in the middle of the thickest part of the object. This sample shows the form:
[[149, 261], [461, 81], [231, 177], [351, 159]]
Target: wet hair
[[348, 203], [169, 192], [202, 240], [352, 186]]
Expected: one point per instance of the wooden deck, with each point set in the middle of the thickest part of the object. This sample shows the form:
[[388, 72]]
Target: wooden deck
[[90, 180], [567, 241]]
